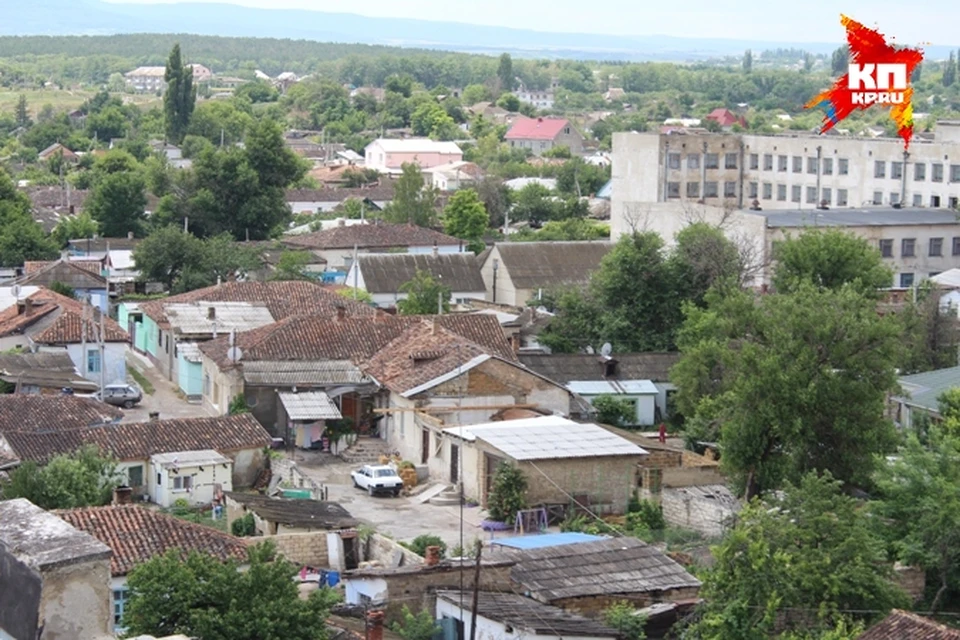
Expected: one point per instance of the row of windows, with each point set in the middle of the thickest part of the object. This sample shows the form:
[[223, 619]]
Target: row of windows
[[710, 189], [797, 194], [710, 160], [917, 201], [908, 247], [796, 164], [784, 164], [919, 171]]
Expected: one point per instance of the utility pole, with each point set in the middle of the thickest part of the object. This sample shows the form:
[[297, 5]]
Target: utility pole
[[103, 353], [356, 270], [186, 224], [83, 339], [476, 591]]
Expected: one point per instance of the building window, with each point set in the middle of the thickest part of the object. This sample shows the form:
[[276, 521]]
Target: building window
[[841, 197], [953, 203], [797, 164], [768, 162], [159, 338], [955, 173], [956, 246], [93, 360], [795, 193], [120, 597], [843, 166], [878, 197], [894, 197], [711, 161], [754, 161], [936, 247], [896, 170], [920, 172], [730, 161], [936, 170], [828, 166], [917, 200], [753, 189], [673, 189], [886, 248], [693, 161], [781, 163], [908, 247], [183, 483], [135, 476], [811, 195], [693, 189], [729, 189], [782, 192], [206, 384], [812, 165], [673, 160], [709, 189], [767, 191], [906, 280], [879, 169], [935, 201], [826, 196]]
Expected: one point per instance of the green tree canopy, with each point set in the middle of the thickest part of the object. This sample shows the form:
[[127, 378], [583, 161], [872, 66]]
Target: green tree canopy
[[425, 296], [830, 258], [413, 202], [82, 479], [179, 98], [20, 237], [202, 597], [466, 218]]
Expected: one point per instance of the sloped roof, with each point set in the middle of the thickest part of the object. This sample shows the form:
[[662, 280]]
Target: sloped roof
[[536, 128], [382, 192], [66, 272], [57, 197], [924, 389], [283, 299], [608, 567], [137, 533], [301, 372], [415, 145], [380, 235], [194, 318], [39, 413], [313, 514], [140, 440], [32, 266], [528, 616], [567, 367], [533, 265], [51, 369], [309, 405], [99, 245], [67, 328], [386, 273], [904, 625]]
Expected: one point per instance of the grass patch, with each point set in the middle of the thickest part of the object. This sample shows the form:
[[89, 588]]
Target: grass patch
[[204, 518], [142, 381], [65, 99]]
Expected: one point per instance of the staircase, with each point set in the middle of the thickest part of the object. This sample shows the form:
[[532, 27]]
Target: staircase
[[446, 498], [365, 451]]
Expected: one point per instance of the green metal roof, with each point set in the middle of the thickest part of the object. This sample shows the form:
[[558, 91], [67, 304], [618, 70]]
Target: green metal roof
[[923, 389]]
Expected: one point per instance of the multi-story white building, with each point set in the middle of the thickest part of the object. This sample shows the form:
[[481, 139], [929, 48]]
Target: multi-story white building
[[786, 172], [152, 80]]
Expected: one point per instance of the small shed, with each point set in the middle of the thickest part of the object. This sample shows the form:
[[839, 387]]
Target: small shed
[[196, 476], [306, 415], [641, 394]]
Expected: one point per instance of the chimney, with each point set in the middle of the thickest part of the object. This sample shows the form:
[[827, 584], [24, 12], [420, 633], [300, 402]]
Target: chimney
[[211, 313], [122, 495], [341, 222], [436, 250], [27, 307], [375, 625], [154, 416], [341, 313], [433, 556]]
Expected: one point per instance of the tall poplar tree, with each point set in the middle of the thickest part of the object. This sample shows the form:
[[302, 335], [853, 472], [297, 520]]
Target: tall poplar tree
[[180, 97]]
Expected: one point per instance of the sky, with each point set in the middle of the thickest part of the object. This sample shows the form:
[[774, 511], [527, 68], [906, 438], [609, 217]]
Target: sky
[[910, 23]]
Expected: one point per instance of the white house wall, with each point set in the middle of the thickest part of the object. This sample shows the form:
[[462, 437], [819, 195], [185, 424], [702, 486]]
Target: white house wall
[[373, 588], [488, 629], [115, 360]]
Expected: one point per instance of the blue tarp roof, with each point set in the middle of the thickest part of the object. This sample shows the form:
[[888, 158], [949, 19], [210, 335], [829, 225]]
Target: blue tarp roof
[[546, 540], [606, 190]]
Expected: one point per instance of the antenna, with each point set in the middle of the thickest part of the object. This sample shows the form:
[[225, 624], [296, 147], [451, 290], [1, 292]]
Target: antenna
[[15, 291], [606, 349], [590, 349]]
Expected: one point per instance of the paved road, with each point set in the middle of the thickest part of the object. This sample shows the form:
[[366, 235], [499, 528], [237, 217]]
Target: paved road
[[165, 399], [401, 518]]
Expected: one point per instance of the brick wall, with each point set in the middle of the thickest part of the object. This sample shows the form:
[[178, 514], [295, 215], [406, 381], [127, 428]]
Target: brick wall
[[301, 548], [608, 481], [662, 458]]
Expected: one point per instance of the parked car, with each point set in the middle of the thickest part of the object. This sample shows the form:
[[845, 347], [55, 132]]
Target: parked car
[[377, 479], [121, 395]]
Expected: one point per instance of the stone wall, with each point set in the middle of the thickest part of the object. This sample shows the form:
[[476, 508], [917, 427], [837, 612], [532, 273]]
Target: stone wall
[[76, 601], [308, 549], [912, 580], [709, 509], [593, 606], [608, 481], [382, 551], [289, 473]]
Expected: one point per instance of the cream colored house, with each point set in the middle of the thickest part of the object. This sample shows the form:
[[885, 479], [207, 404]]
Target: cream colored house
[[389, 155], [194, 476]]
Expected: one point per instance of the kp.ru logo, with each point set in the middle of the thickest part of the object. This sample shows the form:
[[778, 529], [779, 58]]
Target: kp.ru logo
[[879, 74]]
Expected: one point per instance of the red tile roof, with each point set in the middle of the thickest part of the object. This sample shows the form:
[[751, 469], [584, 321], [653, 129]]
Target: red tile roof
[[901, 625], [136, 534], [67, 327], [283, 299], [537, 128], [37, 413], [140, 440], [726, 118], [68, 272], [372, 236], [32, 266]]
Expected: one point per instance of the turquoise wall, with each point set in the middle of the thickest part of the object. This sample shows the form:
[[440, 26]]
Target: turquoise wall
[[190, 376], [150, 332]]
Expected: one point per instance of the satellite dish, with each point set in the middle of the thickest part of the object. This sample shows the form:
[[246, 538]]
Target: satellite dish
[[590, 349], [606, 349], [15, 291], [234, 354]]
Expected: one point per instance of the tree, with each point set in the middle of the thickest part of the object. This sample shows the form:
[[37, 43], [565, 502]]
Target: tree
[[22, 114], [931, 336], [21, 238], [505, 72], [796, 565], [179, 98], [507, 494], [63, 289], [82, 479], [623, 617], [292, 265], [704, 258], [495, 197], [413, 201], [950, 71], [464, 217], [219, 123], [425, 296], [798, 382], [118, 203], [419, 545], [166, 254], [830, 259], [200, 596], [839, 60], [614, 411], [257, 91], [419, 626], [577, 178], [919, 497], [748, 61], [535, 204], [509, 102], [75, 227]]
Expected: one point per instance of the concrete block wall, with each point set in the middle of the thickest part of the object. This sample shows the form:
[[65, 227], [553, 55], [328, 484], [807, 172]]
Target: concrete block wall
[[301, 548], [290, 474], [709, 516], [382, 551]]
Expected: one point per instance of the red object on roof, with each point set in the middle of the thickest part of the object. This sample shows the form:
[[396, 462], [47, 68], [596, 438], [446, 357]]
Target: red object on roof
[[726, 118], [537, 128]]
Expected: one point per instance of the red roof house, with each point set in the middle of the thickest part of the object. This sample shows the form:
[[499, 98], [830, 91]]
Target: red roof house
[[726, 118], [540, 134]]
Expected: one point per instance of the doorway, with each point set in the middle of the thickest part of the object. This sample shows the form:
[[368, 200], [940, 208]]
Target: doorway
[[424, 446], [454, 463], [351, 555]]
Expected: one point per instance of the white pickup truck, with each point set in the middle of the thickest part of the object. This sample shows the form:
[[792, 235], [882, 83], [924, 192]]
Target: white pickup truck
[[377, 479]]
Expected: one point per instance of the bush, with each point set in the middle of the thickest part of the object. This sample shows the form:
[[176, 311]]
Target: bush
[[419, 545], [244, 527], [614, 411], [508, 495], [181, 507], [623, 617], [646, 514], [421, 626]]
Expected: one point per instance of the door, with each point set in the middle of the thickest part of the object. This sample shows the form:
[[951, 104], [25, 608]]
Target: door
[[424, 446], [351, 554], [454, 463]]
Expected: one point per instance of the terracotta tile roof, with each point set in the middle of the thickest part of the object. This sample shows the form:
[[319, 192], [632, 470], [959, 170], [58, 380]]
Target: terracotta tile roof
[[567, 367], [900, 625], [67, 326], [99, 245], [15, 320], [382, 192], [536, 128], [36, 413], [283, 299], [356, 339], [140, 440], [67, 272], [726, 118], [32, 266], [422, 353], [136, 534], [387, 272], [533, 265], [56, 197], [372, 236]]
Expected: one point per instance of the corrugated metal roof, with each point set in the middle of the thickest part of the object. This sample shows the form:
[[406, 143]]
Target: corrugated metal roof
[[312, 405], [190, 351], [547, 438], [195, 318], [176, 459], [387, 273], [306, 372], [533, 265], [923, 389], [949, 278], [613, 387]]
